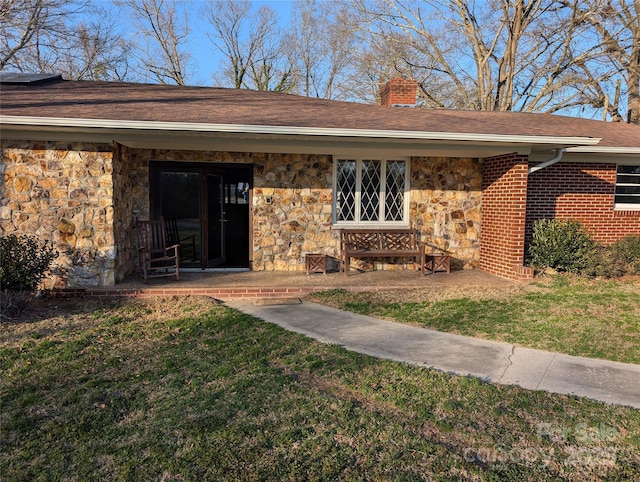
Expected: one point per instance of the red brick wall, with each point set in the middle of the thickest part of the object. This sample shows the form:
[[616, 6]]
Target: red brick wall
[[581, 191], [504, 203]]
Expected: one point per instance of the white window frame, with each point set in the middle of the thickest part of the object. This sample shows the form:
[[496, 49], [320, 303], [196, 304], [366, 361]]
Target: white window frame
[[404, 223], [626, 206]]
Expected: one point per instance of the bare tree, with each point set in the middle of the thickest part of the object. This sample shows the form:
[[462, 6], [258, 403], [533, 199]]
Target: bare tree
[[252, 46], [162, 31], [323, 47], [271, 69], [496, 55], [30, 29], [93, 50], [616, 70], [76, 39], [228, 24]]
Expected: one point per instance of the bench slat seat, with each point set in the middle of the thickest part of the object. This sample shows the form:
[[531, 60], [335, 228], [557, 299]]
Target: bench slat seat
[[381, 243], [394, 253]]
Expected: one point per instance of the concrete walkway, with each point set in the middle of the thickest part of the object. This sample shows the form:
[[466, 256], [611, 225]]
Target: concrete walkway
[[602, 380]]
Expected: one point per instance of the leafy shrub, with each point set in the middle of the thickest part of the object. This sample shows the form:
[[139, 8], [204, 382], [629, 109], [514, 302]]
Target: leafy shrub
[[24, 261], [564, 245], [619, 259], [626, 253], [603, 264]]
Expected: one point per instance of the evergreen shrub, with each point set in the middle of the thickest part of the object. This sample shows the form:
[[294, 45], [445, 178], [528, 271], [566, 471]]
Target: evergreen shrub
[[562, 245], [24, 262]]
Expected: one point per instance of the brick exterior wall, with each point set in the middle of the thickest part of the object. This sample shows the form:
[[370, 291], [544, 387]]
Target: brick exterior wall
[[580, 191], [504, 204]]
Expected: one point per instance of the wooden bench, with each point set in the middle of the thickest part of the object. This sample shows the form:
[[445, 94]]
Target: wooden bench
[[380, 243]]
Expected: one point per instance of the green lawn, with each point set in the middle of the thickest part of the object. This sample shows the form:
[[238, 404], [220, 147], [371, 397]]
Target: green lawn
[[190, 390], [597, 319]]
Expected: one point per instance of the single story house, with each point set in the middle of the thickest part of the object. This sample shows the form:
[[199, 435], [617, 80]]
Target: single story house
[[255, 180]]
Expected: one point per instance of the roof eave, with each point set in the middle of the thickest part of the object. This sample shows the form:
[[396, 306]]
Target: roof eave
[[604, 150], [129, 125]]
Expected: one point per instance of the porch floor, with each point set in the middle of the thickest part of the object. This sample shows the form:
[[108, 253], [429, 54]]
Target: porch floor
[[261, 284]]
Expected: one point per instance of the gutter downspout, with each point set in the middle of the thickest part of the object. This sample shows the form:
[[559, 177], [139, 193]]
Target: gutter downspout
[[556, 158]]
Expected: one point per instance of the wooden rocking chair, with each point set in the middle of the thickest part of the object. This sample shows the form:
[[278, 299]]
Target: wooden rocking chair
[[155, 258], [188, 243]]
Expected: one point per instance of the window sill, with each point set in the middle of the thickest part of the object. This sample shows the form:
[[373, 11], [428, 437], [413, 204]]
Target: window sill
[[395, 225], [622, 211]]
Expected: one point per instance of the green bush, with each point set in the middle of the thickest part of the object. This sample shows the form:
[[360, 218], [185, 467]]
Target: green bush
[[619, 259], [24, 262], [563, 245], [626, 253], [603, 264]]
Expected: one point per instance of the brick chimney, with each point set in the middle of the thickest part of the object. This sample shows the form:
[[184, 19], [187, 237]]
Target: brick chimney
[[399, 92]]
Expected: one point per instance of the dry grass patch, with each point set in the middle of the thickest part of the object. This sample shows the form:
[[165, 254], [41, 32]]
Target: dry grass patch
[[187, 389]]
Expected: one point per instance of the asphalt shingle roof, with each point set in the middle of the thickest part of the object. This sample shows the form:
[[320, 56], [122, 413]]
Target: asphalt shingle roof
[[150, 102]]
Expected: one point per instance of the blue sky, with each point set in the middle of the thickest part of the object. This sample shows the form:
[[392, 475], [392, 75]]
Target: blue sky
[[202, 48]]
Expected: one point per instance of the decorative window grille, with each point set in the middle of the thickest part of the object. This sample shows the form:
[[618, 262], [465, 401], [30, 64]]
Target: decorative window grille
[[371, 191], [394, 196], [628, 187], [346, 191]]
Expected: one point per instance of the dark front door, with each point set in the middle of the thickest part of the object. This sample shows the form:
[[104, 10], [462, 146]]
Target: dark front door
[[208, 205]]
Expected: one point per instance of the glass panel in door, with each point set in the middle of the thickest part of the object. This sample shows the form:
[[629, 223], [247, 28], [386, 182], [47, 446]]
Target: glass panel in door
[[215, 220], [180, 194]]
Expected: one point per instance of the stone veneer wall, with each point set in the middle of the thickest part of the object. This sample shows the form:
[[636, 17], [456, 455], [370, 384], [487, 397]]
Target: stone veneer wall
[[292, 203], [62, 192], [87, 198], [446, 196], [131, 202]]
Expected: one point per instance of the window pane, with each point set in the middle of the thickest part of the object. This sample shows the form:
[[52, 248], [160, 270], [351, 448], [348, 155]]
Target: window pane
[[628, 186], [628, 190], [243, 193], [346, 191], [628, 179], [370, 191], [181, 193], [628, 169], [394, 199], [628, 200]]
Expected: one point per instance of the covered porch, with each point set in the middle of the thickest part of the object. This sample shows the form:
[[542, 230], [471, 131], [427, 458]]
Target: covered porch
[[230, 285]]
